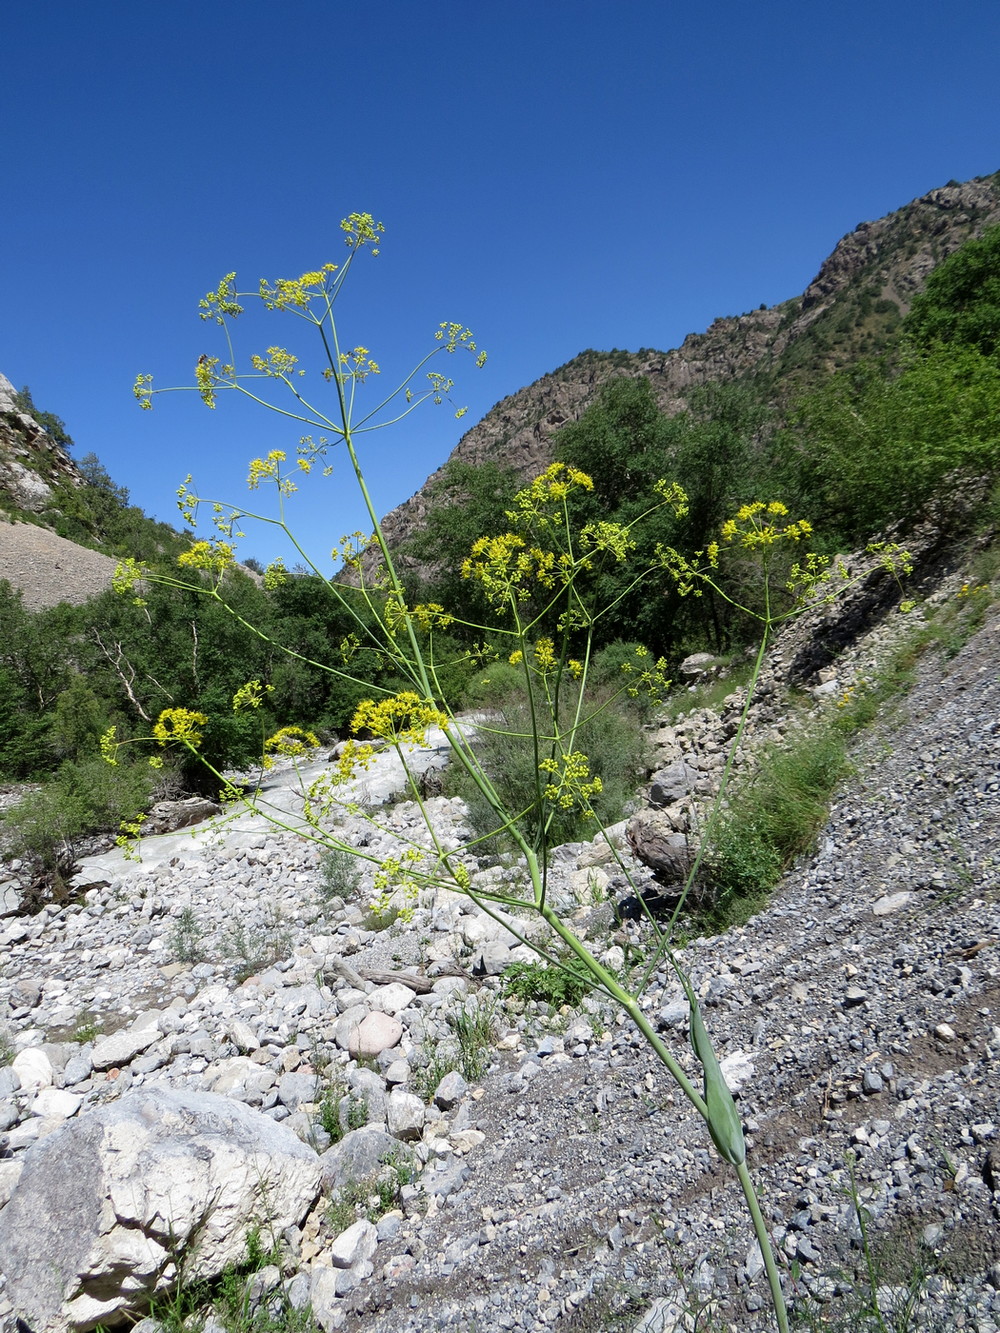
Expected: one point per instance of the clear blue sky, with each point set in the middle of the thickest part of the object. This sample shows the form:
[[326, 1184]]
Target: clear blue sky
[[559, 174]]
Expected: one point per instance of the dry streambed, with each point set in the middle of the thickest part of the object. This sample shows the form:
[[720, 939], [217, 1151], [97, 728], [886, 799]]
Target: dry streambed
[[857, 1015]]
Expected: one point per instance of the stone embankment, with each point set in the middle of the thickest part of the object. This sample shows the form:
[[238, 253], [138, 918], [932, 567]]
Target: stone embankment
[[232, 1015]]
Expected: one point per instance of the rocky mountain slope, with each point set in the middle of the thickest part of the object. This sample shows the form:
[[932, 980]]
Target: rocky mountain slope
[[44, 567], [32, 464], [849, 309]]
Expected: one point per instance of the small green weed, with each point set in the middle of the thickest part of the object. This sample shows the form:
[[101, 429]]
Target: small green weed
[[426, 1079], [710, 693], [328, 1113], [230, 1297], [474, 1024], [340, 875], [7, 1048], [86, 1028], [372, 1197], [186, 938], [772, 820], [254, 948]]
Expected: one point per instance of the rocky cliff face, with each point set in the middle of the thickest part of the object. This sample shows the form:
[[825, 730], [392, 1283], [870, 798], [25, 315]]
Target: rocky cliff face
[[850, 308], [31, 463]]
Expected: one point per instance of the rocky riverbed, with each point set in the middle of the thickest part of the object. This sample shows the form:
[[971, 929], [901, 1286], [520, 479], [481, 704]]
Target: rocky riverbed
[[245, 990]]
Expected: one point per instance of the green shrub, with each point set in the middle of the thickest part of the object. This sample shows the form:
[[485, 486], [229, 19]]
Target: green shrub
[[84, 798], [474, 1024], [339, 875], [251, 949], [545, 983], [772, 820], [186, 938], [615, 748]]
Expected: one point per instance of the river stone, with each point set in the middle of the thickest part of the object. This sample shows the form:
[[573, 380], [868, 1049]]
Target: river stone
[[672, 784], [109, 1203], [374, 1034], [450, 1091], [33, 1068], [404, 1114], [358, 1156], [668, 854], [121, 1048], [391, 999], [354, 1245], [56, 1102]]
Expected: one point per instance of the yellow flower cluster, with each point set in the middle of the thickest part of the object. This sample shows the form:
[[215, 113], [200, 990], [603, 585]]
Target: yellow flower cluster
[[188, 502], [222, 302], [295, 292], [402, 719], [361, 229], [545, 498], [651, 680], [805, 577], [759, 524], [755, 526], [352, 759], [351, 548], [279, 363], [275, 574], [179, 724], [674, 494], [109, 747], [251, 695], [291, 743], [357, 365], [611, 537], [545, 659], [128, 575], [894, 559], [508, 568], [454, 336], [142, 389], [205, 378], [545, 655], [216, 557], [394, 877], [570, 786], [426, 615], [265, 469]]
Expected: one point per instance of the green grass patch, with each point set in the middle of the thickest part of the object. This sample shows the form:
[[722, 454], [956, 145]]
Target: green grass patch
[[771, 821]]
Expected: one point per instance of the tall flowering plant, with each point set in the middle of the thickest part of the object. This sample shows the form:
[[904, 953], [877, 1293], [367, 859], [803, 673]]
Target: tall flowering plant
[[537, 580]]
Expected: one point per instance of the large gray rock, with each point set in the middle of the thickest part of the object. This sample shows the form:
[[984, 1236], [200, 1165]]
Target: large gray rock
[[671, 784], [168, 816], [359, 1155], [668, 854], [107, 1205]]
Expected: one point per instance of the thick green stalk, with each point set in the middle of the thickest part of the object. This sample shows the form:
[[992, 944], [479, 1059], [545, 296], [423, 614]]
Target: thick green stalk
[[767, 1252]]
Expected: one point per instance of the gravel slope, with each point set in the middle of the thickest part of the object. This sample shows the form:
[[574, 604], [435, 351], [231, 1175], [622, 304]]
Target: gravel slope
[[859, 1013], [865, 1001], [48, 569]]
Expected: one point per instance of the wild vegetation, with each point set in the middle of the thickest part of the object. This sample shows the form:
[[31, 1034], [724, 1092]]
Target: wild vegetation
[[207, 663], [553, 571], [857, 450]]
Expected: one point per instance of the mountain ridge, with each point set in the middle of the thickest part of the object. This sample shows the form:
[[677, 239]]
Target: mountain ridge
[[857, 298]]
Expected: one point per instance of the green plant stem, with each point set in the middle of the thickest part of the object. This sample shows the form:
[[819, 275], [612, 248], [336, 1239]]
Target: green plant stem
[[766, 1250]]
